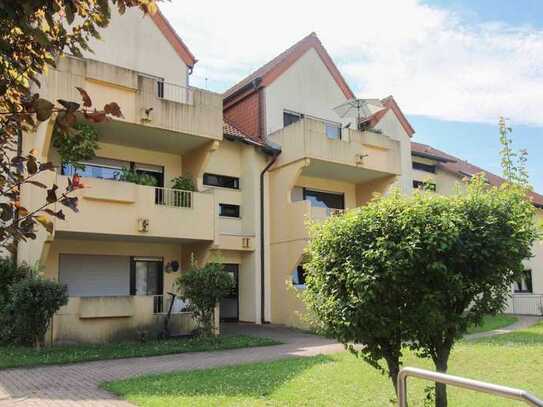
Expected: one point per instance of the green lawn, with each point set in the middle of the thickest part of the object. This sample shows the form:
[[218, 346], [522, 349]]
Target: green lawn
[[342, 379], [493, 322], [16, 356]]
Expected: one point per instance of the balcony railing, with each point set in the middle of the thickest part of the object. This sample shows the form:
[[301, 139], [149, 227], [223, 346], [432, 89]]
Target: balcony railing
[[174, 92], [527, 304], [173, 197], [162, 304]]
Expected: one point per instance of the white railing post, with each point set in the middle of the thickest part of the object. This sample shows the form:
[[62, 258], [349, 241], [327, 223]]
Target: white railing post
[[462, 382], [173, 197]]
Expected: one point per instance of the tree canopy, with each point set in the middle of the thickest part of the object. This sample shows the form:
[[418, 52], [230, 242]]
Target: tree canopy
[[415, 271]]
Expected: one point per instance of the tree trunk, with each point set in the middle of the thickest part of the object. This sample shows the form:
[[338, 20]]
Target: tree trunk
[[393, 365], [441, 366]]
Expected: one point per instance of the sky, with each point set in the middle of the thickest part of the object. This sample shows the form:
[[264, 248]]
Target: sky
[[454, 66]]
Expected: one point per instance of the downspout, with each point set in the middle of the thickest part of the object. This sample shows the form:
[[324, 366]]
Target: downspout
[[262, 243]]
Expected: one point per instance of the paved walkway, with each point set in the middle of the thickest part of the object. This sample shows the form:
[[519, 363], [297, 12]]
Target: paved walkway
[[524, 321], [77, 384]]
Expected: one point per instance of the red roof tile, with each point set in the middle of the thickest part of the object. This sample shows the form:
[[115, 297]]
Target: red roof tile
[[230, 130], [175, 41], [463, 168]]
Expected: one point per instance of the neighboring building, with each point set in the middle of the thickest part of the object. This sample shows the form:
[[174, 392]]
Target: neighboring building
[[119, 254], [443, 173], [326, 164]]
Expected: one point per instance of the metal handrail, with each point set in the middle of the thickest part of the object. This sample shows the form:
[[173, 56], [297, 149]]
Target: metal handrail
[[495, 389]]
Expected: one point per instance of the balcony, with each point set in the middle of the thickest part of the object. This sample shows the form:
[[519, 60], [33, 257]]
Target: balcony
[[157, 115], [358, 156], [121, 209]]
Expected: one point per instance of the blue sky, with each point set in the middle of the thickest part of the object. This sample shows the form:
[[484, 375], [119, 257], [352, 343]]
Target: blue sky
[[454, 66]]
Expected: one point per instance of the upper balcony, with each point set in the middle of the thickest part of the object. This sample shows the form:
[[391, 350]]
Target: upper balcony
[[121, 209], [157, 115], [353, 156]]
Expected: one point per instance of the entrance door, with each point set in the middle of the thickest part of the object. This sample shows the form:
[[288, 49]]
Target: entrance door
[[146, 276], [229, 308]]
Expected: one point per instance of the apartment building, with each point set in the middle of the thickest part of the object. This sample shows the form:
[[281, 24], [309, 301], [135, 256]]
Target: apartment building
[[272, 153], [444, 173], [121, 254], [327, 163]]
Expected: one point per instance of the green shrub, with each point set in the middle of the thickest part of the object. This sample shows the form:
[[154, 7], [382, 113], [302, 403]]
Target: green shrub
[[184, 183], [130, 175], [33, 302], [204, 287], [79, 145], [10, 273]]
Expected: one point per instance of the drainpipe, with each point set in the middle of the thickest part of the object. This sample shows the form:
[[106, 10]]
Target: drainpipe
[[262, 245]]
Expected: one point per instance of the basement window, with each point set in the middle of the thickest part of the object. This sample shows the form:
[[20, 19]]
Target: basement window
[[229, 210]]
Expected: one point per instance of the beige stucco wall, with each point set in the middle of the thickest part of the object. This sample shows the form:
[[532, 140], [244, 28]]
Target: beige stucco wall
[[391, 126], [134, 42], [305, 87]]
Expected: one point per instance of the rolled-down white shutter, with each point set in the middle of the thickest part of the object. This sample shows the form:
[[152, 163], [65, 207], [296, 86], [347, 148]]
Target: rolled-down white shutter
[[93, 275]]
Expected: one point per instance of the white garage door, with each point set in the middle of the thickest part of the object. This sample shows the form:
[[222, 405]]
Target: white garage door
[[90, 276]]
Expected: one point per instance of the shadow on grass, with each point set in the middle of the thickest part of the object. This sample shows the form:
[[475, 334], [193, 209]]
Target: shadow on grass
[[255, 380]]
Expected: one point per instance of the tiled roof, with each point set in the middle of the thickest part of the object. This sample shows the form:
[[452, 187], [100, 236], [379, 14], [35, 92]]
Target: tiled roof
[[232, 131], [390, 104], [281, 62], [462, 168]]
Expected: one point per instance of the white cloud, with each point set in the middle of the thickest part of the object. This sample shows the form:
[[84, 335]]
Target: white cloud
[[432, 61]]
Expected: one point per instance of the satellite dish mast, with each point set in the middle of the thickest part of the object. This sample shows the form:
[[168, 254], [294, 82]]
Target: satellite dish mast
[[359, 109]]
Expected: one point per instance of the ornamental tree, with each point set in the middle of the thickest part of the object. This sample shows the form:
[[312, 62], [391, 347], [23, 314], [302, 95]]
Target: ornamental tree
[[415, 271], [33, 34]]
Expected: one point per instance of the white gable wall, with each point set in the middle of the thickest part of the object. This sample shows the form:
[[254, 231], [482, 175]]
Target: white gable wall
[[135, 42], [391, 126], [305, 87]]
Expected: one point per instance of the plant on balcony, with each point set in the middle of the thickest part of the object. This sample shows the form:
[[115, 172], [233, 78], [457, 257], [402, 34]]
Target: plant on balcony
[[130, 175], [204, 287], [76, 146], [416, 271], [184, 183]]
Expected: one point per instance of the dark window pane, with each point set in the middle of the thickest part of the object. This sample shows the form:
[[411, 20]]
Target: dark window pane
[[298, 277], [524, 284], [289, 118], [424, 167], [424, 185], [147, 277], [221, 181], [320, 199], [229, 210]]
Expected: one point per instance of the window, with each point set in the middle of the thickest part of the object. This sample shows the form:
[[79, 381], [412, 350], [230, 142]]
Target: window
[[229, 210], [146, 277], [105, 168], [333, 131], [524, 283], [160, 88], [290, 117], [229, 306], [298, 276], [429, 186], [424, 167], [321, 199], [221, 181]]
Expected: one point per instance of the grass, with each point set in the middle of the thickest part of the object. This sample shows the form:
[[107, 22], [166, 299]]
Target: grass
[[17, 356], [343, 380], [492, 322]]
